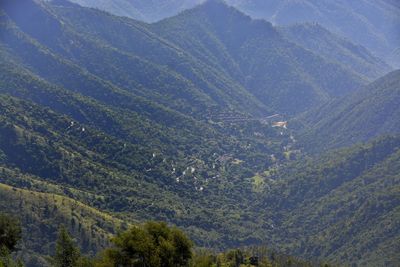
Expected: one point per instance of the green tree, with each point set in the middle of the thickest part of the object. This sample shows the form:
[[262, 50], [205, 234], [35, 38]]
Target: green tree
[[10, 233], [203, 258], [67, 254], [133, 248], [235, 257], [151, 245]]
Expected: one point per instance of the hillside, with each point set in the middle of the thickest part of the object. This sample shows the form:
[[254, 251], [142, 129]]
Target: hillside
[[113, 167], [372, 24], [42, 213], [208, 120], [144, 10], [337, 49], [358, 117], [280, 74], [342, 206], [96, 64]]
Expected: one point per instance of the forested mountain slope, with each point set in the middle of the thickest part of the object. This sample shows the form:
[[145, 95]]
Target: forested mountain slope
[[144, 10], [178, 181], [88, 57], [337, 49], [373, 24], [94, 121], [360, 116], [172, 121], [279, 73], [42, 213], [236, 80], [342, 206]]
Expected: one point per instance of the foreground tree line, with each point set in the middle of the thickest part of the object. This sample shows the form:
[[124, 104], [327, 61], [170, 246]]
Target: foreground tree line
[[153, 244]]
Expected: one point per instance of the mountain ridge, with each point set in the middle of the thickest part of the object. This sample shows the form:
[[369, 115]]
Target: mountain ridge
[[190, 121], [358, 117]]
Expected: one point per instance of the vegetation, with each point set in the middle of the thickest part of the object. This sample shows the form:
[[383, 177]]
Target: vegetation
[[335, 48], [359, 22], [359, 117], [67, 254], [10, 235], [373, 25], [152, 244], [343, 198], [247, 49], [108, 122]]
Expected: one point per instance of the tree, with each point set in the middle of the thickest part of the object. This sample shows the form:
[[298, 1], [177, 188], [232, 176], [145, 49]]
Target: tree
[[183, 248], [151, 245], [10, 233], [67, 254], [133, 248]]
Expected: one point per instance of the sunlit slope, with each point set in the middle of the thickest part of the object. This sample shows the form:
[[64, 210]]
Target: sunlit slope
[[42, 213]]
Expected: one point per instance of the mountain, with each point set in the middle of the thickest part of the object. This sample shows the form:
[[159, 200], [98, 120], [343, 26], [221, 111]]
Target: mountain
[[369, 23], [337, 49], [367, 113], [124, 122], [78, 112], [51, 153], [42, 213], [373, 24], [94, 59], [341, 206], [145, 10], [280, 74]]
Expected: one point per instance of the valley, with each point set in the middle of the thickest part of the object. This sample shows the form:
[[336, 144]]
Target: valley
[[241, 132]]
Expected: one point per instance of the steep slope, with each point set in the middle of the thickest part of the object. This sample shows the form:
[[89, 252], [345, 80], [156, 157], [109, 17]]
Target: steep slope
[[337, 49], [190, 90], [98, 109], [369, 23], [365, 114], [282, 75], [145, 10], [163, 174], [373, 24], [42, 213], [343, 206]]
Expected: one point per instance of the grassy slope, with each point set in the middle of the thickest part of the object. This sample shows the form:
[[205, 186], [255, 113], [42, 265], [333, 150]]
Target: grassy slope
[[42, 213]]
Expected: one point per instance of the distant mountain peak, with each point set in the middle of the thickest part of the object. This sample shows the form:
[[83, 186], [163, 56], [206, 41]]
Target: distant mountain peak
[[218, 9], [215, 2]]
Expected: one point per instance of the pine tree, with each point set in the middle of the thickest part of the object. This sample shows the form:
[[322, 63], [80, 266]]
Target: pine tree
[[67, 254], [10, 232]]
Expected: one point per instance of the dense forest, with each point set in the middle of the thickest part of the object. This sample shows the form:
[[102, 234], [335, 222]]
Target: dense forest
[[152, 244], [205, 138]]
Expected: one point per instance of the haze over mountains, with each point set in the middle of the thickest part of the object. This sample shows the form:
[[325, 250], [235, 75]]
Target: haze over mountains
[[373, 24], [108, 121]]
